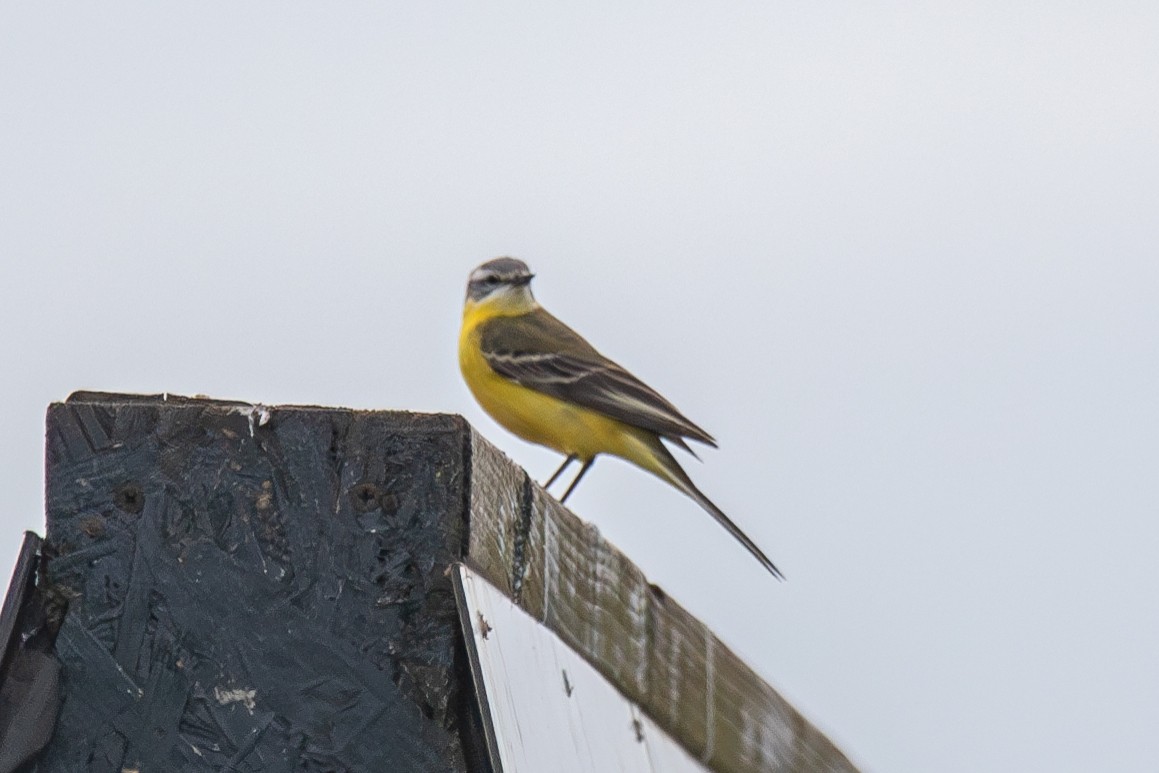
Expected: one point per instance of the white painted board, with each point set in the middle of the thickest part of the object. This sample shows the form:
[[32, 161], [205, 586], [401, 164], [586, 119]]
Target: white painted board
[[548, 709]]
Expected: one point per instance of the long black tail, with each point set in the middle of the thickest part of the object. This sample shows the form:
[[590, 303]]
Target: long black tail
[[672, 472]]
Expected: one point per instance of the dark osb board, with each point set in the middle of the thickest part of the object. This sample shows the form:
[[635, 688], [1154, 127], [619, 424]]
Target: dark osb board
[[29, 673], [256, 590]]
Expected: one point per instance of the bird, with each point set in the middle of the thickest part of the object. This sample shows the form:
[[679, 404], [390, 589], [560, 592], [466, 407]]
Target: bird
[[544, 382]]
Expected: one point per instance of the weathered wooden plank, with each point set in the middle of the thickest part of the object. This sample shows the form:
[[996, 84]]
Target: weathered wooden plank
[[590, 595], [499, 541]]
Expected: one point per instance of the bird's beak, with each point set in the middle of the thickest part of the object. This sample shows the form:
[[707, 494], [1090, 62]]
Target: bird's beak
[[523, 280]]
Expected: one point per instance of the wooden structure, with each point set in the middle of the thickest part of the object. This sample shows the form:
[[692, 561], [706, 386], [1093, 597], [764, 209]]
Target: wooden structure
[[298, 588]]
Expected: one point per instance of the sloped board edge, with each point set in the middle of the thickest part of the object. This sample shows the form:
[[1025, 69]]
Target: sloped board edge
[[546, 706], [565, 575], [29, 673]]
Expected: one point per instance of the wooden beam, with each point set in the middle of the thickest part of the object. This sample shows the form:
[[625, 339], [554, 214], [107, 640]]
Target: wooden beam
[[269, 587], [563, 573]]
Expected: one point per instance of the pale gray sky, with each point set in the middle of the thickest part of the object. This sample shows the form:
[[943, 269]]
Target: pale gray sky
[[901, 259]]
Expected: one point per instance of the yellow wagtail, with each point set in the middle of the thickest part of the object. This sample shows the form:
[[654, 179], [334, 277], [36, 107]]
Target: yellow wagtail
[[541, 380]]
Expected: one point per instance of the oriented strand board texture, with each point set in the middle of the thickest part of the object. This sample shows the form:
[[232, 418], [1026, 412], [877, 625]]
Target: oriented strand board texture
[[601, 605], [256, 589]]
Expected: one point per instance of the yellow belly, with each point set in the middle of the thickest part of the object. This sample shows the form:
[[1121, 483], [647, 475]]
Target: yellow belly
[[543, 419]]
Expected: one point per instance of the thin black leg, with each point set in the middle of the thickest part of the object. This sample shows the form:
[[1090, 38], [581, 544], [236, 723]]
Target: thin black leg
[[570, 488], [566, 462]]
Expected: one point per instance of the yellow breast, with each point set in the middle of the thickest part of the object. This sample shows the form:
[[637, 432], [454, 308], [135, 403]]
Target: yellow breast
[[532, 415]]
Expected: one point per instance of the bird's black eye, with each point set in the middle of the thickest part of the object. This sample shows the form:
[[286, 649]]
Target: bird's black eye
[[491, 280]]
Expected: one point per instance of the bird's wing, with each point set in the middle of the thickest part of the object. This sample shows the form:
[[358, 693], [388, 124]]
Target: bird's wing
[[539, 352]]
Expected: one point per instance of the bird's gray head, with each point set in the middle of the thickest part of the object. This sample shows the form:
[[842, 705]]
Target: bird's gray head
[[503, 279]]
